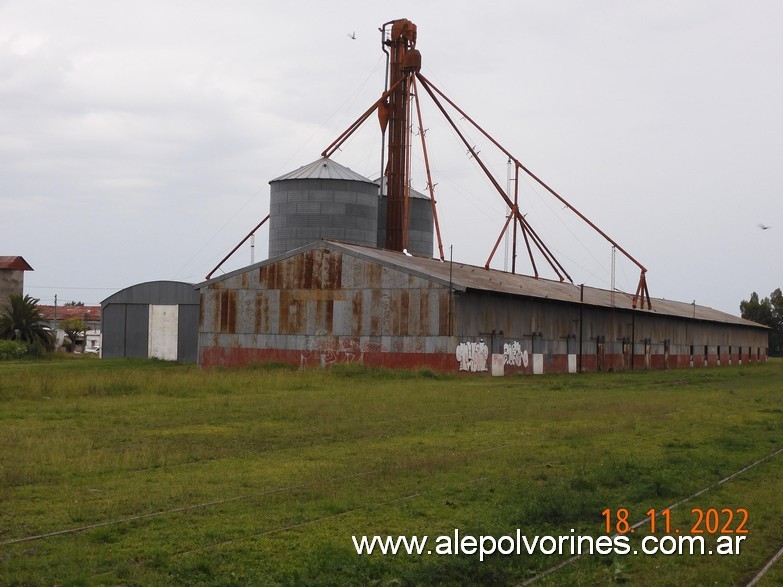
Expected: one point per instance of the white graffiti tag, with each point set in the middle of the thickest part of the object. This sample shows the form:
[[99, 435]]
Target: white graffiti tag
[[514, 354], [472, 356]]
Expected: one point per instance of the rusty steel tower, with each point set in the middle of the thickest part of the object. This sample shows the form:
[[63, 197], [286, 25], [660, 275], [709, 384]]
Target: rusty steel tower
[[404, 63], [395, 107]]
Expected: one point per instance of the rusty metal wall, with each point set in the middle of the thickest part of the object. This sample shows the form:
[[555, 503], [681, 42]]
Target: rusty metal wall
[[322, 301], [622, 338], [325, 305]]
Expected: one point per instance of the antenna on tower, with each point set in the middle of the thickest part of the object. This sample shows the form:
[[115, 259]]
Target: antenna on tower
[[614, 253], [509, 167], [253, 248]]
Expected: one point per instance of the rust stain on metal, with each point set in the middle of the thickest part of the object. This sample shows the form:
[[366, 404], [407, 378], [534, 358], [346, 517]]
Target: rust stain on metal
[[403, 312], [312, 270], [330, 315], [424, 310], [304, 270], [228, 311], [375, 316], [331, 270], [314, 295], [232, 311], [293, 324], [262, 313], [414, 301], [295, 317], [394, 313], [214, 298], [283, 307], [264, 276], [372, 275], [443, 314], [223, 311], [267, 276], [356, 313]]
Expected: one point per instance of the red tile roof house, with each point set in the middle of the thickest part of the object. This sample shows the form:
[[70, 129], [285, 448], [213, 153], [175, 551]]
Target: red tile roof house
[[90, 314]]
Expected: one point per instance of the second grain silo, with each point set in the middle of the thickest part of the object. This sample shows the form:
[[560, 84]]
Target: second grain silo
[[420, 223]]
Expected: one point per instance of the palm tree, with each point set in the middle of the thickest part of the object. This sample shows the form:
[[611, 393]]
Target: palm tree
[[22, 320]]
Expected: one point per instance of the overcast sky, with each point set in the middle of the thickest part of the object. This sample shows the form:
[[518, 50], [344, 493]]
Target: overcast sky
[[137, 138]]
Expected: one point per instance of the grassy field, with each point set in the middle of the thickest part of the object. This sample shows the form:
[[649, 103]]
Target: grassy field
[[150, 473]]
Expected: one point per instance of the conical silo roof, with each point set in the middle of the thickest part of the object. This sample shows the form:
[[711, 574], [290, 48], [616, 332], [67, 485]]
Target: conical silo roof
[[324, 168]]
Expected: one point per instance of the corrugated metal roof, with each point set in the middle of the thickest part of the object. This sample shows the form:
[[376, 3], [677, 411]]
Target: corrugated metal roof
[[324, 168], [463, 277], [155, 292], [17, 263]]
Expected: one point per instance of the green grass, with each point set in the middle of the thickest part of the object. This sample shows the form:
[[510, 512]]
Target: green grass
[[158, 473]]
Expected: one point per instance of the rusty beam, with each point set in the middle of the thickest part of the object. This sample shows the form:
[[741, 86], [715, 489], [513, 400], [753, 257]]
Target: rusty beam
[[430, 185], [394, 109], [380, 103], [428, 84], [536, 239], [234, 250], [497, 243], [516, 203]]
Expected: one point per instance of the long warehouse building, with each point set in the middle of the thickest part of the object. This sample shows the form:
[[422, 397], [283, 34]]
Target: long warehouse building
[[331, 302]]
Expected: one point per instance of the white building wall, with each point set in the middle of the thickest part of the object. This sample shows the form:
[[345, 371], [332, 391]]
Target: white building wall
[[93, 339]]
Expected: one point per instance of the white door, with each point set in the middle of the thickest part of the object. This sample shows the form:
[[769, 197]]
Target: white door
[[164, 320]]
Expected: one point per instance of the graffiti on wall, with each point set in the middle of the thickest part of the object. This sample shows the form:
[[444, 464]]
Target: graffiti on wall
[[326, 350], [514, 355], [472, 356]]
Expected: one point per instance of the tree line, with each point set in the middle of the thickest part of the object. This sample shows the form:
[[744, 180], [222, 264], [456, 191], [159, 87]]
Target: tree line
[[769, 312]]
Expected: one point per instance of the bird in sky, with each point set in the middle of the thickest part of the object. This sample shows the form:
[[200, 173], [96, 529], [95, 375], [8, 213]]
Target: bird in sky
[[763, 226], [352, 35]]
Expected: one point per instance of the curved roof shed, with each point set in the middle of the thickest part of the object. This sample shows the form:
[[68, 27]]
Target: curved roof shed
[[156, 319]]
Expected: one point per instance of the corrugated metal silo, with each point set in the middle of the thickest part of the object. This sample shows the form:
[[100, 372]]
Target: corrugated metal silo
[[322, 200], [420, 223]]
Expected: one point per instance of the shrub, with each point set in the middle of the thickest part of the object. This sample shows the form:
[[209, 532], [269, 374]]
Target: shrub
[[10, 350], [35, 349]]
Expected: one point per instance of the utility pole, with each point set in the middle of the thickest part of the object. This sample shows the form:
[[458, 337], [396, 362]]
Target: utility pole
[[54, 326]]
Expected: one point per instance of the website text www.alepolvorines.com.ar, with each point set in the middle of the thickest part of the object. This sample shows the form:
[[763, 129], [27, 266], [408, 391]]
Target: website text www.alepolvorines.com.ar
[[570, 544]]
